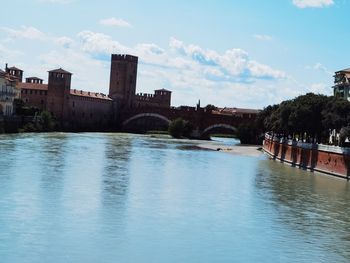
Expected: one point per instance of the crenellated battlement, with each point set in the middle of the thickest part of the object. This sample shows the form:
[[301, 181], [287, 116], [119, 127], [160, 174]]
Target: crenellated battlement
[[124, 57]]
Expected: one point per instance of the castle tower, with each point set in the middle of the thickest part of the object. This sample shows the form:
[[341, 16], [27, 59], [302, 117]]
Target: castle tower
[[15, 72], [58, 93], [163, 97], [122, 85]]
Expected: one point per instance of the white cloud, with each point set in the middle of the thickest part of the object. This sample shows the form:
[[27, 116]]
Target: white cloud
[[25, 32], [7, 54], [263, 37], [312, 3], [65, 42], [228, 78], [115, 22], [320, 88], [100, 43], [233, 63], [318, 66]]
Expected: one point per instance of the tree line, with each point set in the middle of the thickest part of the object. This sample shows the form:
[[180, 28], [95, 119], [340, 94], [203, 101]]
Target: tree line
[[310, 117]]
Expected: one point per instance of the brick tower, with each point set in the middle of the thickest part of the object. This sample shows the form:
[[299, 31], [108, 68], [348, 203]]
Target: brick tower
[[15, 72], [122, 85], [58, 93]]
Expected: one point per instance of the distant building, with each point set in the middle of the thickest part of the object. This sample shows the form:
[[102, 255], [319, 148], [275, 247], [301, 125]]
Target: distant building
[[342, 84], [237, 112], [8, 93], [123, 76], [83, 109]]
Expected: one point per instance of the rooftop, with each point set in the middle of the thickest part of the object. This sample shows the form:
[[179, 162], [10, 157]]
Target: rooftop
[[34, 78], [233, 111], [347, 70], [60, 70], [89, 94], [162, 90], [33, 86], [14, 68]]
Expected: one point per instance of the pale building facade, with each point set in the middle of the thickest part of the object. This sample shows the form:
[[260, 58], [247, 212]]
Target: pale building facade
[[8, 93]]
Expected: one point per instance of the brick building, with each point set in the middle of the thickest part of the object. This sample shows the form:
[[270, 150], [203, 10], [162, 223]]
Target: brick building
[[78, 109], [74, 109]]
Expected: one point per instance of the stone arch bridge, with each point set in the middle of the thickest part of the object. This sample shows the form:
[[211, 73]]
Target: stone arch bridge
[[204, 122]]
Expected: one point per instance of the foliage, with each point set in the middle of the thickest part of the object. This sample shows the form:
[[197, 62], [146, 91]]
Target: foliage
[[180, 128], [21, 109], [29, 127], [47, 122], [44, 122], [247, 133], [310, 116], [210, 107]]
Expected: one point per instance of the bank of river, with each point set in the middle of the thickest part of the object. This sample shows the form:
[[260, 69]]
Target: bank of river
[[95, 197], [231, 146]]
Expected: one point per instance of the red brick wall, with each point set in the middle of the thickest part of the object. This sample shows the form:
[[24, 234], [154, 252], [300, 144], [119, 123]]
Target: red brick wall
[[34, 98], [88, 113], [327, 159]]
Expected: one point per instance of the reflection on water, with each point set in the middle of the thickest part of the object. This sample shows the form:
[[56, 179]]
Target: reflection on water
[[94, 197], [315, 207]]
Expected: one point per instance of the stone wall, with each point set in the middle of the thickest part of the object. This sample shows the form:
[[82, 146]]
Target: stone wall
[[88, 113], [322, 158]]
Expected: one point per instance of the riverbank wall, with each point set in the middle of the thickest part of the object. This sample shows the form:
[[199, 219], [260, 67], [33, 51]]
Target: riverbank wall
[[326, 159]]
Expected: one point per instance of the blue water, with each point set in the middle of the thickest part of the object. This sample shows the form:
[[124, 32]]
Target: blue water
[[131, 198]]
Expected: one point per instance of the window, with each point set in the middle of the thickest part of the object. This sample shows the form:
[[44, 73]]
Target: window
[[73, 104]]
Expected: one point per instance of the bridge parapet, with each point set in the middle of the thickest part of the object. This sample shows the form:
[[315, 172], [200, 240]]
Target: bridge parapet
[[203, 121]]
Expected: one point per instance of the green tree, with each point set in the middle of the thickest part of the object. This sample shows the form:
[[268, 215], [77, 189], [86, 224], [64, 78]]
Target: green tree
[[210, 107], [336, 113], [47, 122], [248, 133], [180, 128]]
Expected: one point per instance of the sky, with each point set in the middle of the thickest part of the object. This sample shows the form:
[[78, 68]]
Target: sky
[[229, 53]]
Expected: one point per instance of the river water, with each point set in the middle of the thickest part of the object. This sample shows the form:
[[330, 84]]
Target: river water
[[129, 198]]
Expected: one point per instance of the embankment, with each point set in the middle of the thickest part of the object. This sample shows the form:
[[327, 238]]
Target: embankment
[[327, 159]]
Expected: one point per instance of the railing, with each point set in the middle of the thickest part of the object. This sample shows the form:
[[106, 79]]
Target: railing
[[305, 145]]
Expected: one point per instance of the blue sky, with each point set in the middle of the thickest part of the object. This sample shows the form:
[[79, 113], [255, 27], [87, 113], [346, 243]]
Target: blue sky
[[228, 53]]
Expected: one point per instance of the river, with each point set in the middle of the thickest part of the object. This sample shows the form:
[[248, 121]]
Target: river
[[95, 197]]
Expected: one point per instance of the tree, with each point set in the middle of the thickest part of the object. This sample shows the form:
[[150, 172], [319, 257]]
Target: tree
[[336, 113], [248, 133], [210, 107], [180, 128], [47, 121]]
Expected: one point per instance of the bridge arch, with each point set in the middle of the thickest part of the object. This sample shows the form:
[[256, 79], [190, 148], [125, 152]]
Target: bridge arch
[[207, 130], [146, 115]]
